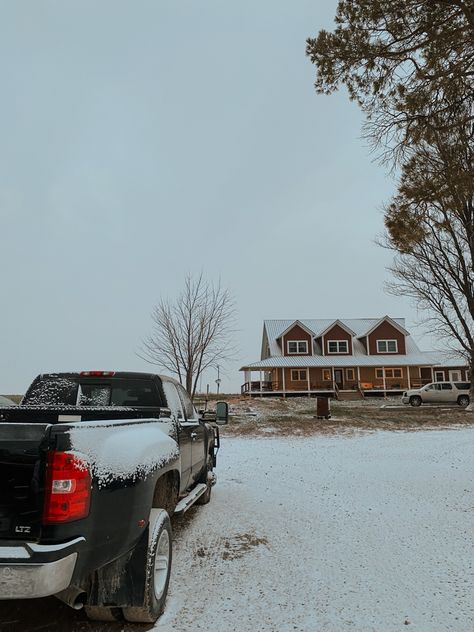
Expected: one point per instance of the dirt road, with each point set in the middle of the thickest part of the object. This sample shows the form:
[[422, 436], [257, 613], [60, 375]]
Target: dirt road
[[323, 533]]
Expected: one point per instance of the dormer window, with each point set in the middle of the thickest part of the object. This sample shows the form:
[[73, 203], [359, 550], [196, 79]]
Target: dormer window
[[338, 346], [387, 346], [297, 346]]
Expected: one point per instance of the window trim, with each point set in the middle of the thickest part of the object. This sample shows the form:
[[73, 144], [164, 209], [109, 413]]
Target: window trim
[[338, 343], [436, 373], [383, 373], [386, 341], [299, 379], [297, 352], [350, 379], [327, 379]]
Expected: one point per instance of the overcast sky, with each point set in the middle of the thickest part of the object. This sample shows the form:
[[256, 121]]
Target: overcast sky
[[141, 140]]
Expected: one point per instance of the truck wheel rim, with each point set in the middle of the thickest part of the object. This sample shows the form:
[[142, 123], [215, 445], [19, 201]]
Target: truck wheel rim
[[162, 562]]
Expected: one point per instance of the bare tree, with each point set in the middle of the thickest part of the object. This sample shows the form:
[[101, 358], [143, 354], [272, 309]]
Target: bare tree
[[430, 225], [409, 66], [192, 333]]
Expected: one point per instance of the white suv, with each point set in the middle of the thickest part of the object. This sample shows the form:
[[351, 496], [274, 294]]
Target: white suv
[[439, 393]]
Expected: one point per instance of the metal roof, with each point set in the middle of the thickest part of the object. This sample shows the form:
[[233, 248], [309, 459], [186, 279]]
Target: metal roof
[[418, 359], [360, 326], [273, 329]]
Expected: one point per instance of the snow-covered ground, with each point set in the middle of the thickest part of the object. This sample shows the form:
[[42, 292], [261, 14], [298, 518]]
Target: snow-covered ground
[[330, 533]]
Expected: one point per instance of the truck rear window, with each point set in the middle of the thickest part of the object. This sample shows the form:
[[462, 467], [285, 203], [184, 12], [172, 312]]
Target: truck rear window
[[65, 391]]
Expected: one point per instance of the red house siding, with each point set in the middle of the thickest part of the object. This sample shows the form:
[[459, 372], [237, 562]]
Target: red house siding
[[296, 333], [386, 331], [337, 333]]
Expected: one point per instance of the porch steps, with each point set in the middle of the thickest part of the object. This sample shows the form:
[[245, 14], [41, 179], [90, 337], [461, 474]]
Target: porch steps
[[349, 395]]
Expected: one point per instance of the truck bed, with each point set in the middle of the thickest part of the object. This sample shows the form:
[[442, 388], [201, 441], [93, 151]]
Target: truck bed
[[62, 414]]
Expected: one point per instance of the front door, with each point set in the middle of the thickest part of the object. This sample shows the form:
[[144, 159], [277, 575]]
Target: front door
[[339, 378]]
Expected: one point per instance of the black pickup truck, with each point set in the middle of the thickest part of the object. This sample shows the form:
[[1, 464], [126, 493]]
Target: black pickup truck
[[92, 465]]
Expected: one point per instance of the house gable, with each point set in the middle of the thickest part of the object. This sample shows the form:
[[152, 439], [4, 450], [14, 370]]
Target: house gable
[[386, 331], [297, 333], [336, 334], [265, 352]]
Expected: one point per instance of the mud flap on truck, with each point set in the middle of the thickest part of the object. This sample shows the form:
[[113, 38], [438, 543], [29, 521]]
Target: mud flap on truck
[[122, 582]]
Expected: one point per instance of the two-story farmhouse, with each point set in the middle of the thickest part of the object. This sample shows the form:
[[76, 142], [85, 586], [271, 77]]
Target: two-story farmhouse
[[358, 355]]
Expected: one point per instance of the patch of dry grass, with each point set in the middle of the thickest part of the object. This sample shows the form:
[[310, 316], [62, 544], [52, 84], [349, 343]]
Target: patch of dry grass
[[293, 417]]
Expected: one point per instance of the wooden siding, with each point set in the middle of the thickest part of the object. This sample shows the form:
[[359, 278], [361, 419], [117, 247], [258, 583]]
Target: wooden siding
[[337, 333], [386, 331], [446, 370], [296, 333]]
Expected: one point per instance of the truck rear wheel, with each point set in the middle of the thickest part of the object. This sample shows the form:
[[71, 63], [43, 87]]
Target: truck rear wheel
[[463, 400], [158, 569], [415, 400]]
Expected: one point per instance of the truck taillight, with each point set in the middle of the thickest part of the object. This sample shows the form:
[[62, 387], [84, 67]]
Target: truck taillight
[[68, 488]]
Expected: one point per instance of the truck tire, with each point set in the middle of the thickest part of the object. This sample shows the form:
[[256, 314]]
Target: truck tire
[[415, 400], [463, 400], [206, 497], [102, 613], [158, 569]]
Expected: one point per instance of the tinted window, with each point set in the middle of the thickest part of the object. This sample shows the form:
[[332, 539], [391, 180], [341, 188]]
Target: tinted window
[[187, 403], [446, 387], [94, 395], [173, 400], [134, 393], [54, 391], [463, 386]]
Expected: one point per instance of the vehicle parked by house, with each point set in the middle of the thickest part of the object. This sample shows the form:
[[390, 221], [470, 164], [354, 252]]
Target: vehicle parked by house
[[346, 358], [92, 466], [439, 393]]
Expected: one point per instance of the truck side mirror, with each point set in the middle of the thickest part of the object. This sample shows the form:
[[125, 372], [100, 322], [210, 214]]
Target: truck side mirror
[[222, 413]]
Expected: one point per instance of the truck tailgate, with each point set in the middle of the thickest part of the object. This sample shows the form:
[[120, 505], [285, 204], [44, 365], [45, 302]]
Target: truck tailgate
[[21, 479]]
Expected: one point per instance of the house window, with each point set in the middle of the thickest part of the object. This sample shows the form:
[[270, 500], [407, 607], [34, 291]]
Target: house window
[[337, 346], [297, 346], [327, 375], [389, 373], [387, 346], [439, 376], [350, 375], [298, 375]]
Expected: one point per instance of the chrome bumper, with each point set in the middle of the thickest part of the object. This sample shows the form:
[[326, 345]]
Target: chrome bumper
[[23, 574]]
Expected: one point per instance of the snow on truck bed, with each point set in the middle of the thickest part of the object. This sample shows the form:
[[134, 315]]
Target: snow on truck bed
[[121, 452], [322, 534]]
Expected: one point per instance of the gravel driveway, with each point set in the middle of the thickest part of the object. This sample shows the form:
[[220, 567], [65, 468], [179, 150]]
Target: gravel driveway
[[323, 533]]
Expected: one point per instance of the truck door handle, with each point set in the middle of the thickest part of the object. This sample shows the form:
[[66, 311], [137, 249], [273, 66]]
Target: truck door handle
[[193, 435]]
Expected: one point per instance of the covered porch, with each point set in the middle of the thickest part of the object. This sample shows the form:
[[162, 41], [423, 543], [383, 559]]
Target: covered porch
[[333, 381]]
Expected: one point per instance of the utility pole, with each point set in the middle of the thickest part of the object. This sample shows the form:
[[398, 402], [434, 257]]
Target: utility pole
[[218, 381]]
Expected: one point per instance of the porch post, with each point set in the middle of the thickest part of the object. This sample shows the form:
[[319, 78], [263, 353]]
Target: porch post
[[432, 375], [283, 376], [358, 376], [248, 379], [384, 382], [260, 384], [309, 382], [333, 382], [408, 376]]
